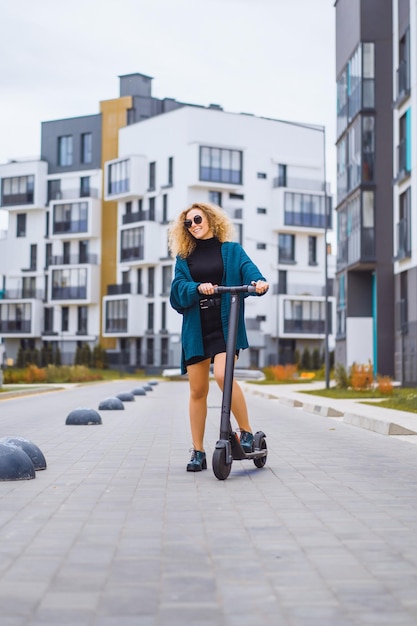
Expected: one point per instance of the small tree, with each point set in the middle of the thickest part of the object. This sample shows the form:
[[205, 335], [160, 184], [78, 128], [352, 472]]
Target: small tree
[[306, 359], [341, 376], [316, 359]]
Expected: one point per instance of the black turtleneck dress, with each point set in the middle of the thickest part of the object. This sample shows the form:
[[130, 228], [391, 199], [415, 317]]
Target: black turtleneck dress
[[206, 266]]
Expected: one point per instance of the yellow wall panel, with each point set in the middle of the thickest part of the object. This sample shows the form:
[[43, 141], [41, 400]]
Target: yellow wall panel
[[114, 115]]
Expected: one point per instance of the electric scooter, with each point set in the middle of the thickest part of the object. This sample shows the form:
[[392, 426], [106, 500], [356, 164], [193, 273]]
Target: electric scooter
[[228, 446]]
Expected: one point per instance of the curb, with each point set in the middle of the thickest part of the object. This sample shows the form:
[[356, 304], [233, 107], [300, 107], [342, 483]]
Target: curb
[[386, 427]]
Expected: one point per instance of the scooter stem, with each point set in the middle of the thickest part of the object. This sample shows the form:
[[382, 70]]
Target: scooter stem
[[225, 427]]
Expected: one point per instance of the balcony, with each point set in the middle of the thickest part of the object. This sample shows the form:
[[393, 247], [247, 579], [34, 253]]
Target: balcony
[[72, 194], [132, 254], [403, 240], [22, 294], [70, 226], [301, 326], [403, 83], [73, 259], [139, 216], [69, 293], [403, 159], [116, 290], [306, 184], [15, 327], [18, 199], [358, 248]]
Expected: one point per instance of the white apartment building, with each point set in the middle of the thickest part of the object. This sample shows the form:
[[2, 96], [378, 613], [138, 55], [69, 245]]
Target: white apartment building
[[268, 176], [85, 260]]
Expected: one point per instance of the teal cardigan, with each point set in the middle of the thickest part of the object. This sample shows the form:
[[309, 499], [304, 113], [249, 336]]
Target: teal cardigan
[[184, 298]]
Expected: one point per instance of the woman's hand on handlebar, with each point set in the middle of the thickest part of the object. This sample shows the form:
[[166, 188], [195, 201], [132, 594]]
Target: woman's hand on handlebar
[[206, 289], [261, 286]]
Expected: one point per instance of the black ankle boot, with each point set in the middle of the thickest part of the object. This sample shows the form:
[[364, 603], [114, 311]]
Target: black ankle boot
[[246, 441], [198, 461]]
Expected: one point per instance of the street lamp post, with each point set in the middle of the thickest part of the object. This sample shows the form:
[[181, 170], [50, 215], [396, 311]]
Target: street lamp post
[[326, 281]]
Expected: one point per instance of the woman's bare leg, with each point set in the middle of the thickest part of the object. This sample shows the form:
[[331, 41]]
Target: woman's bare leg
[[239, 408], [198, 377]]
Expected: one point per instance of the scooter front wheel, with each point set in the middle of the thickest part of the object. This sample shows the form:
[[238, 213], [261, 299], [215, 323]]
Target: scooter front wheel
[[260, 444], [221, 469]]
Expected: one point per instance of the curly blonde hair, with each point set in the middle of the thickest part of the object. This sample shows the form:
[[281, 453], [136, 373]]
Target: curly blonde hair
[[180, 240]]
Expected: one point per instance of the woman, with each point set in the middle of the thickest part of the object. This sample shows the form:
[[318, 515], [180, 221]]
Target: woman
[[201, 238]]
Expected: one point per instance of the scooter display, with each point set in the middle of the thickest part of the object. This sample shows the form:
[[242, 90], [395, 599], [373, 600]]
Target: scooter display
[[228, 448]]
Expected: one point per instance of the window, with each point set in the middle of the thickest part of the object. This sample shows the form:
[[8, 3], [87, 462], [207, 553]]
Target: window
[[65, 151], [48, 255], [54, 189], [282, 281], [221, 165], [341, 306], [171, 171], [163, 315], [164, 351], [282, 175], [118, 181], [68, 284], [152, 174], [166, 279], [261, 211], [312, 250], [132, 244], [29, 287], [151, 307], [303, 209], [21, 225], [64, 318], [70, 218], [83, 251], [215, 197], [368, 149], [286, 248], [48, 320], [33, 256], [86, 148], [151, 281], [261, 175], [404, 147], [236, 196], [261, 246], [116, 316], [84, 186], [17, 190], [139, 280], [82, 317], [149, 351], [152, 209], [66, 252], [165, 207], [403, 71], [404, 226]]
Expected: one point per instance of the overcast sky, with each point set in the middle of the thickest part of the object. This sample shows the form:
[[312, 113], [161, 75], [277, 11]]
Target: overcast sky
[[59, 58]]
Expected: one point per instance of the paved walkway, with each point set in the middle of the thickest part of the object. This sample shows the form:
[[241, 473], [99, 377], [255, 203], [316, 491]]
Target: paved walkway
[[115, 532]]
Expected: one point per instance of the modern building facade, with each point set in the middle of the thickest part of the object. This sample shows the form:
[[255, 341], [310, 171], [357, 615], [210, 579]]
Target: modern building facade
[[365, 156], [85, 260]]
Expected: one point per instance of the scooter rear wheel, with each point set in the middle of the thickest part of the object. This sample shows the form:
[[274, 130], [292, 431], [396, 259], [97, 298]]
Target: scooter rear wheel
[[221, 469], [260, 444]]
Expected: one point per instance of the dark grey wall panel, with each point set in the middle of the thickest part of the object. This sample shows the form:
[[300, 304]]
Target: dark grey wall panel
[[347, 29], [76, 127]]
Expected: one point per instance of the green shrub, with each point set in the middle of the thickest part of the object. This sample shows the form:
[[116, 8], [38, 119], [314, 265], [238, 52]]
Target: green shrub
[[341, 376]]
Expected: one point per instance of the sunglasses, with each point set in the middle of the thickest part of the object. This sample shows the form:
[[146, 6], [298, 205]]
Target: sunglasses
[[197, 220]]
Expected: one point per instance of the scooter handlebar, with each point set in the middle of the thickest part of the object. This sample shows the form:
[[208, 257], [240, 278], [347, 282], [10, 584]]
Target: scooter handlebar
[[235, 289]]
